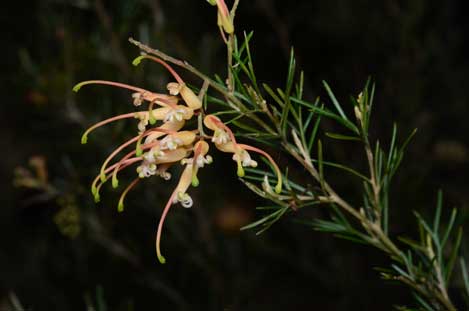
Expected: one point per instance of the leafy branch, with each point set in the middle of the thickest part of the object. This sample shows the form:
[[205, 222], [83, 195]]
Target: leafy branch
[[281, 117]]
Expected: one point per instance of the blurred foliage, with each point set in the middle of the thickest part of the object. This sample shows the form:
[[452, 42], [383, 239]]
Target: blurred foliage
[[416, 51]]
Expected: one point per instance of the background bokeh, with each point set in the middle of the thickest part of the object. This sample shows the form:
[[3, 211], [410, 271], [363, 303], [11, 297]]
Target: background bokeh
[[61, 251]]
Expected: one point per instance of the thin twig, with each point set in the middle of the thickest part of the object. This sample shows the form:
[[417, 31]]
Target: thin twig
[[234, 102]]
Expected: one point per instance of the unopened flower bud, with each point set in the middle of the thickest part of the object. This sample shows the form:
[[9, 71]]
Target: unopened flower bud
[[358, 113], [224, 17]]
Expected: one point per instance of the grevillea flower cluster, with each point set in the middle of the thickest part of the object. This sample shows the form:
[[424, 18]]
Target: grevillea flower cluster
[[163, 142]]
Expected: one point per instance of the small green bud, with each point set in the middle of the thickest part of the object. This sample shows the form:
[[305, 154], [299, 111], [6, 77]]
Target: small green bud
[[77, 87], [137, 60], [151, 118], [120, 207], [195, 181], [102, 176], [138, 151], [161, 259], [84, 139], [138, 148], [278, 188], [97, 197], [115, 181], [240, 171]]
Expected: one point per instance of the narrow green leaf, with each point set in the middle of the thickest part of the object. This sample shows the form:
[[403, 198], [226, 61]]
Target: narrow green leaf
[[310, 203], [308, 120], [262, 173], [334, 100], [422, 302], [379, 162], [217, 101], [342, 137], [454, 254], [329, 114], [219, 80], [406, 142], [370, 100], [239, 86], [247, 39], [281, 93], [439, 205], [233, 120], [301, 125], [425, 225], [372, 97], [250, 64], [284, 117], [224, 112], [255, 136], [268, 208], [273, 95], [465, 275], [261, 221], [352, 238], [366, 203], [339, 217], [328, 226], [400, 271], [300, 85], [400, 153], [245, 127], [391, 147], [291, 72], [412, 243], [313, 134], [452, 219], [320, 164], [344, 168], [273, 221], [385, 210], [254, 188], [240, 63], [421, 232]]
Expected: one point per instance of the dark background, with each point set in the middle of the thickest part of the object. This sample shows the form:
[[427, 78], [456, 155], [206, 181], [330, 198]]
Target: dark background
[[61, 251]]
